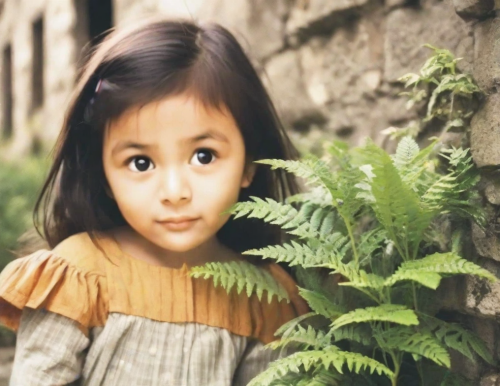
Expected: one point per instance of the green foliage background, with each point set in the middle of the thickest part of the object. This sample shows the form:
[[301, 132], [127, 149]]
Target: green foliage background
[[20, 183]]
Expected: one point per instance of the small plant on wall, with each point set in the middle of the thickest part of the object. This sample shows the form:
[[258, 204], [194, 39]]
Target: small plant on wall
[[369, 254], [445, 97]]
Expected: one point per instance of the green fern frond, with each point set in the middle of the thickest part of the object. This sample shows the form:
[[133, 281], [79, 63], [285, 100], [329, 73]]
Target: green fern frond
[[318, 195], [458, 338], [355, 333], [320, 304], [268, 210], [422, 344], [384, 313], [436, 265], [326, 358], [406, 152], [275, 213], [357, 278], [290, 326], [243, 275], [307, 337], [312, 169], [312, 221], [317, 378], [413, 164], [339, 151], [337, 243], [427, 279], [436, 195], [292, 253], [322, 219], [370, 242], [323, 377], [454, 192], [396, 206], [314, 280]]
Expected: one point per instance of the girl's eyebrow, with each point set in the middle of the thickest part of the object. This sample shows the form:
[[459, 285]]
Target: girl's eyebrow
[[210, 133], [141, 146], [128, 145]]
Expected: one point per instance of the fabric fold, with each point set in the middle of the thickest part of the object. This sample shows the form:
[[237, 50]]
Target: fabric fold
[[44, 280]]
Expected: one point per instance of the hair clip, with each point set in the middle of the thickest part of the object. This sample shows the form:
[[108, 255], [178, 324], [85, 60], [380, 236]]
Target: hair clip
[[88, 112], [98, 87]]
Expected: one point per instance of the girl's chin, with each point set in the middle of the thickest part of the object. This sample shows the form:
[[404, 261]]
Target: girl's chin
[[180, 244]]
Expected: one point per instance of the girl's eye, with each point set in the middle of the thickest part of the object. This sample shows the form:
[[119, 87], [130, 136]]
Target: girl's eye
[[203, 157], [140, 164]]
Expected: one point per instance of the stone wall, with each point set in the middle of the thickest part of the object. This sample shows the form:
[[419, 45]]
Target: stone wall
[[331, 67], [62, 45]]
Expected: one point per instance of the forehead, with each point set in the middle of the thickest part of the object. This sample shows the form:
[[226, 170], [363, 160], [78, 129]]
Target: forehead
[[178, 117]]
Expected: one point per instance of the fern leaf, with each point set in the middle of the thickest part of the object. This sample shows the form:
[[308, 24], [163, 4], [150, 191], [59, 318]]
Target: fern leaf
[[323, 377], [268, 209], [317, 378], [406, 152], [290, 326], [454, 191], [427, 279], [320, 304], [412, 164], [422, 344], [318, 195], [354, 333], [275, 213], [312, 169], [385, 313], [337, 244], [313, 280], [307, 337], [245, 275], [427, 346], [436, 265], [370, 242], [396, 206], [358, 278], [321, 219], [326, 358], [458, 338], [293, 254]]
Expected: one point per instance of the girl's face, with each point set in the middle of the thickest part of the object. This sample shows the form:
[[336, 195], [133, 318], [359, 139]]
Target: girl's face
[[173, 166]]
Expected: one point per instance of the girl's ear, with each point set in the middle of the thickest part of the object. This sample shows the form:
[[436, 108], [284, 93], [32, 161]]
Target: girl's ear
[[248, 174]]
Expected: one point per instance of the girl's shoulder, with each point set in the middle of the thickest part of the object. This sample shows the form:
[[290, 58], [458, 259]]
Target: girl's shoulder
[[84, 252], [68, 280]]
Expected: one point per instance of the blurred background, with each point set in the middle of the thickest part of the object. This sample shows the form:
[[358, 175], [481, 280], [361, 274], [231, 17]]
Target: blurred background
[[330, 65]]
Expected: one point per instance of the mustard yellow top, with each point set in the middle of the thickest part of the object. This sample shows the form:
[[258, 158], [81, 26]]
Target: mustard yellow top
[[84, 283]]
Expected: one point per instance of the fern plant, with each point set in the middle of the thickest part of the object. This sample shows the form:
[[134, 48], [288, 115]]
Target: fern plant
[[367, 224], [448, 96]]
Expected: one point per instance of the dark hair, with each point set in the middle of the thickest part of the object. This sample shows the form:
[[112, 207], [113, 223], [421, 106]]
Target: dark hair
[[146, 63]]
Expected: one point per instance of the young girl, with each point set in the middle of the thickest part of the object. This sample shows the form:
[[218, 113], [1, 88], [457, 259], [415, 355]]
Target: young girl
[[158, 142]]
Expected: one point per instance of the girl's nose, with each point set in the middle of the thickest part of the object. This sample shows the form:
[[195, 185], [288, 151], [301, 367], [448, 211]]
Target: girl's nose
[[174, 186]]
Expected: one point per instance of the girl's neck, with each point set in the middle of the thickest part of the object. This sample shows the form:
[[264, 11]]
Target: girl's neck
[[135, 245]]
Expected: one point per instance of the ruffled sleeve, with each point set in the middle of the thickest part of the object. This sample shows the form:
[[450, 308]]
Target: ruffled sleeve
[[44, 280]]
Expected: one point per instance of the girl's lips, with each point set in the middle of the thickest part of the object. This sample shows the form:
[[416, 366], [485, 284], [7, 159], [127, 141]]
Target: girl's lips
[[179, 224]]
